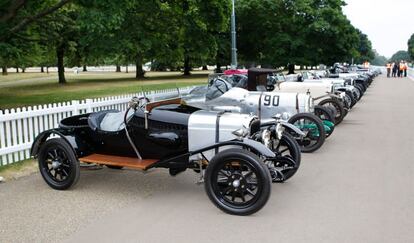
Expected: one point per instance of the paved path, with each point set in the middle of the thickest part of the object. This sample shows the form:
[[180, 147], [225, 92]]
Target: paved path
[[358, 188]]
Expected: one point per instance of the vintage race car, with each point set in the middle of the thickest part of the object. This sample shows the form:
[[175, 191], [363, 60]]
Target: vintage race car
[[229, 93], [352, 94], [223, 147]]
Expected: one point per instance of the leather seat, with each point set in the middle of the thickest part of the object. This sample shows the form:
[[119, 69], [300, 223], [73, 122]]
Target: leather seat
[[108, 120]]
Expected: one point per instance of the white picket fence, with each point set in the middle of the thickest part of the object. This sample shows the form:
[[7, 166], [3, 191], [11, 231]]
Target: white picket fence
[[19, 127]]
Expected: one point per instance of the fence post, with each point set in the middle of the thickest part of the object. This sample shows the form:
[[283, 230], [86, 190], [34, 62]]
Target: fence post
[[89, 105], [75, 105]]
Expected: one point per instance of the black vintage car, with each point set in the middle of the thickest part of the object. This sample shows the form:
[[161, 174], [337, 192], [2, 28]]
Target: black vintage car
[[165, 134]]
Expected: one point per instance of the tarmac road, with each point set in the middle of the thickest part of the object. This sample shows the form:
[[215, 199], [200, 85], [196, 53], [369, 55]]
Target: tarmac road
[[358, 188]]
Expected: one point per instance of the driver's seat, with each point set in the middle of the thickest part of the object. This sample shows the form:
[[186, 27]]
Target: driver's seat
[[108, 120]]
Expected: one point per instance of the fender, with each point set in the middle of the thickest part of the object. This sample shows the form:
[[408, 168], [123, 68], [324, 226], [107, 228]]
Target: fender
[[245, 142], [293, 128], [69, 138]]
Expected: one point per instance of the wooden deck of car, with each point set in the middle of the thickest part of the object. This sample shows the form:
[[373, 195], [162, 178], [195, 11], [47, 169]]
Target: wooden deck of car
[[112, 160]]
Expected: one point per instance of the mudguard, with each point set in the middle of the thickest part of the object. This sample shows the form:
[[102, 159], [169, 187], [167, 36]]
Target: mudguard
[[78, 148], [293, 128], [259, 147]]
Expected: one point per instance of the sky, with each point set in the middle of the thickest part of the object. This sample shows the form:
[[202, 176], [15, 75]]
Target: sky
[[388, 23]]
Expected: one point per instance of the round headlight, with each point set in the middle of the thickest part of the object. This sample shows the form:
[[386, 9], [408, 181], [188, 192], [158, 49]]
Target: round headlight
[[285, 116]]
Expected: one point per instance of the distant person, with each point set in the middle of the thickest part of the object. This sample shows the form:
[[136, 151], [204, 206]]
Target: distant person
[[405, 69], [394, 69], [401, 70], [388, 69]]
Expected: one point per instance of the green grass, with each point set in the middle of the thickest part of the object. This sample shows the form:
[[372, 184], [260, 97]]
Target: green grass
[[18, 169], [33, 89]]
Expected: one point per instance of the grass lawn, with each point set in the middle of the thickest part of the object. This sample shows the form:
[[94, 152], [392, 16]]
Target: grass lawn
[[18, 169], [17, 90]]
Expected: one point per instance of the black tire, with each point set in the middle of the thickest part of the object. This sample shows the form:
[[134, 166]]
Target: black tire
[[310, 143], [58, 164], [361, 90], [352, 98], [287, 150], [324, 113], [114, 167], [226, 173], [357, 94], [339, 107]]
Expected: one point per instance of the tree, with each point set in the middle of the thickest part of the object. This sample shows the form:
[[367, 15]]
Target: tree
[[19, 14], [400, 56], [365, 52], [379, 60], [411, 46]]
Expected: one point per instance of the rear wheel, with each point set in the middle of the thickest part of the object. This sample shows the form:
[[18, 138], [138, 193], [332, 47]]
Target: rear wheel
[[314, 129], [338, 106], [238, 182], [58, 164]]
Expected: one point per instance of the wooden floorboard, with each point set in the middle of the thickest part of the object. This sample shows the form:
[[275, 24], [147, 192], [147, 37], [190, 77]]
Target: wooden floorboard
[[129, 162]]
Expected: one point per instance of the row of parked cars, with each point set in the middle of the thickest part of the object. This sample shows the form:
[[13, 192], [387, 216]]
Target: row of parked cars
[[242, 131]]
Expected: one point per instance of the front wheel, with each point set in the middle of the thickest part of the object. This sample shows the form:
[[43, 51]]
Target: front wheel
[[328, 118], [287, 161], [58, 164], [314, 129], [338, 106], [238, 182]]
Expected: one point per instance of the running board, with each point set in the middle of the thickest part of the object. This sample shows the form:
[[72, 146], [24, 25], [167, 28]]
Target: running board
[[130, 162]]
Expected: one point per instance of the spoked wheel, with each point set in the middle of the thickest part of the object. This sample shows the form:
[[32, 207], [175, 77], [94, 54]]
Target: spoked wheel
[[238, 182], [351, 98], [338, 106], [347, 101], [58, 164], [357, 94], [314, 129], [327, 117], [288, 158]]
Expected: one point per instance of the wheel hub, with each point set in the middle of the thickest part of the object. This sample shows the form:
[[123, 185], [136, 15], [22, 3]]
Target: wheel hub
[[236, 183], [55, 164]]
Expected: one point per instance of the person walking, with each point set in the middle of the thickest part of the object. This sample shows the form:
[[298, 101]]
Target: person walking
[[388, 69], [394, 69]]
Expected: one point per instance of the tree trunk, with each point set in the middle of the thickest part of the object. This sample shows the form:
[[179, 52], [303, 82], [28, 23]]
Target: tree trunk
[[291, 68], [205, 68], [17, 69], [187, 67], [4, 70], [47, 69], [218, 68], [140, 72], [23, 70], [85, 69], [118, 69], [60, 53], [126, 69], [42, 70]]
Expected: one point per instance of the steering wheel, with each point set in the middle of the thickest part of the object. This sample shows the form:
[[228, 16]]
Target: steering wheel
[[138, 102]]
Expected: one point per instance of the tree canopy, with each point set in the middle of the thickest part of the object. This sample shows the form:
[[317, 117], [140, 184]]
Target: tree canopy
[[400, 56], [176, 34], [411, 47]]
